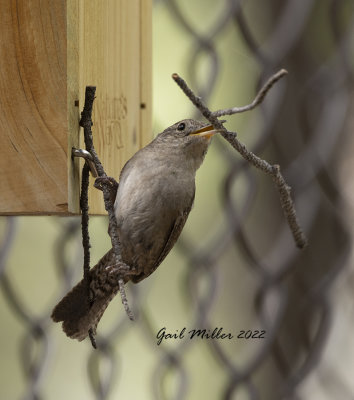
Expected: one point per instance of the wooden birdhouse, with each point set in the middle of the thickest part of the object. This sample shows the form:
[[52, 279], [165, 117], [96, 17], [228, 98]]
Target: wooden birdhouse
[[49, 52]]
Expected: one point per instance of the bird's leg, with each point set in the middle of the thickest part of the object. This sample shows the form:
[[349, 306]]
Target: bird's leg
[[112, 185], [123, 273], [120, 271]]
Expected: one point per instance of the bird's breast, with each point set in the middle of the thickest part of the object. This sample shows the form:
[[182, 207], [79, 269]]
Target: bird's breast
[[149, 200]]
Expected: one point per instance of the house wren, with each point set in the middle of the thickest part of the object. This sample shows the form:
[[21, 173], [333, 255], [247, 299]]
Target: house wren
[[154, 198]]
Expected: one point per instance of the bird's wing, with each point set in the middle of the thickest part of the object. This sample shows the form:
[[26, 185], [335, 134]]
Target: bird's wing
[[171, 239]]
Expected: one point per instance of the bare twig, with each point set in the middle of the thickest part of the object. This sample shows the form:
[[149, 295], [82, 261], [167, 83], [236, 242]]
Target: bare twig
[[106, 186], [273, 170], [257, 100], [86, 239]]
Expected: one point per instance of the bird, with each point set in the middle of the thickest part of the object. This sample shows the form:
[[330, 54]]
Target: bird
[[154, 198]]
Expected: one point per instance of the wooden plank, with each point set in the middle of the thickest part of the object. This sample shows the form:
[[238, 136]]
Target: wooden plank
[[145, 72], [50, 50], [73, 111], [110, 49], [33, 129]]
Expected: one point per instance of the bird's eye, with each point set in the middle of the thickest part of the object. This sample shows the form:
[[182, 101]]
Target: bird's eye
[[181, 126]]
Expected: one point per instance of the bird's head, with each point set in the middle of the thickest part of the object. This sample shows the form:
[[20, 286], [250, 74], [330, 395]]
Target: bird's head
[[187, 138]]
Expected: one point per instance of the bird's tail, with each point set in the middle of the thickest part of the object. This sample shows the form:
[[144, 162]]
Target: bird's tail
[[75, 310]]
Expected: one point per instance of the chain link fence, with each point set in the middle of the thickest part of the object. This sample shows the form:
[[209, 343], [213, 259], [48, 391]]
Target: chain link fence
[[235, 269]]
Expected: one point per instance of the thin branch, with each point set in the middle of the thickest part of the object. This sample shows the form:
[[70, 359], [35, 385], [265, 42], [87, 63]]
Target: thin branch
[[106, 186], [257, 100], [86, 123], [86, 239], [273, 170], [85, 219]]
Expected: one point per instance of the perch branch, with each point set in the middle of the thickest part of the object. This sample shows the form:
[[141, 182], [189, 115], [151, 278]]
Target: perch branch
[[105, 184], [273, 170], [86, 239]]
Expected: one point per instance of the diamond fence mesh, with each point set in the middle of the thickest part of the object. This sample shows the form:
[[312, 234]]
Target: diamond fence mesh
[[235, 268]]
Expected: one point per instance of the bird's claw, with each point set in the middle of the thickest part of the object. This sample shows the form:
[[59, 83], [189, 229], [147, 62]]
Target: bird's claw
[[105, 180], [121, 269], [109, 182]]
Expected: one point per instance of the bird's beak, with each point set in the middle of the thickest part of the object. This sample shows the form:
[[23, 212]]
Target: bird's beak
[[207, 131]]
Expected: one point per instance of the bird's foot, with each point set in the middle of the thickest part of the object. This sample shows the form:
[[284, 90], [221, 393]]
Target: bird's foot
[[122, 271], [105, 180], [109, 182]]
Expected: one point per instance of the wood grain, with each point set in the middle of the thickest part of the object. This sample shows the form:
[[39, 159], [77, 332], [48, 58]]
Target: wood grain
[[50, 50], [145, 72], [33, 128], [113, 47]]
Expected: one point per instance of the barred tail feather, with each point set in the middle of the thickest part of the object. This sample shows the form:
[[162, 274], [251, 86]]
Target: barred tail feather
[[74, 310]]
